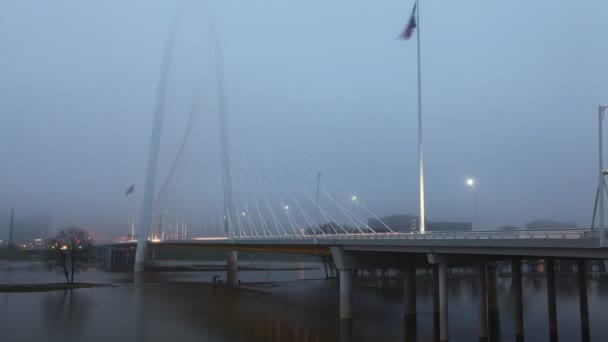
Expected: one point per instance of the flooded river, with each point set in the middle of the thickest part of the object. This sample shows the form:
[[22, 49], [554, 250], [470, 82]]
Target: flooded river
[[293, 302]]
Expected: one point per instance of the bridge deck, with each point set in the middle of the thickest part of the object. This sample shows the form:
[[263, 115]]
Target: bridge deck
[[550, 243]]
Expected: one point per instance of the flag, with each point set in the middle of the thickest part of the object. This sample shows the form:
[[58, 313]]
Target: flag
[[411, 25], [130, 190]]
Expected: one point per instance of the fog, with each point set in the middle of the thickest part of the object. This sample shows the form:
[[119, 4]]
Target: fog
[[510, 95]]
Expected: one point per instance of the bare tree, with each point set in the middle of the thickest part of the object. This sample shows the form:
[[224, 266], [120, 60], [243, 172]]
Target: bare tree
[[71, 250]]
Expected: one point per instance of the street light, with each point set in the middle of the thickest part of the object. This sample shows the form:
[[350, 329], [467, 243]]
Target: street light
[[286, 207], [472, 184], [602, 183]]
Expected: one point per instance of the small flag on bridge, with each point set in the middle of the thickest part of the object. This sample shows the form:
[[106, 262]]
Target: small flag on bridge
[[130, 190], [411, 25]]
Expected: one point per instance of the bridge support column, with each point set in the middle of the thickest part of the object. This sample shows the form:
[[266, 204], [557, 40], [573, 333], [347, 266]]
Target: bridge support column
[[551, 299], [109, 259], [409, 298], [130, 257], [483, 308], [443, 302], [232, 269], [103, 256], [584, 308], [345, 263], [517, 299], [152, 259], [346, 296], [435, 289], [493, 312]]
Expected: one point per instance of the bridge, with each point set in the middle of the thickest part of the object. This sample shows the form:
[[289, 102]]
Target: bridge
[[438, 251], [254, 200]]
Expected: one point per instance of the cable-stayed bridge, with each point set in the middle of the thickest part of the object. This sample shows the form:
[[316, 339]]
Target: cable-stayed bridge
[[203, 190]]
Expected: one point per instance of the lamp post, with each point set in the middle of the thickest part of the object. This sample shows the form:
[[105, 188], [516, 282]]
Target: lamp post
[[472, 184], [602, 183]]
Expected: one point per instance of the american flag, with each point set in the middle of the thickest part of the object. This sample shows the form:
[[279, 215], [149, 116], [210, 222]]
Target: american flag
[[411, 25]]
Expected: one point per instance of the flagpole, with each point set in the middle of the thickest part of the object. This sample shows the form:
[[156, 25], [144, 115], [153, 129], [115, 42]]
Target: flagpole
[[420, 162]]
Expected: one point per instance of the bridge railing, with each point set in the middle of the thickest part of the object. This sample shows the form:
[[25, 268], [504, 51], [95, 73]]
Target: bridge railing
[[515, 234]]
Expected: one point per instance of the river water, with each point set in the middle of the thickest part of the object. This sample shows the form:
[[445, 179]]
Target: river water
[[270, 305]]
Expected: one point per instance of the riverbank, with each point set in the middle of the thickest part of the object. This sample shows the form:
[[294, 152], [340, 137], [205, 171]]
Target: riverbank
[[21, 288]]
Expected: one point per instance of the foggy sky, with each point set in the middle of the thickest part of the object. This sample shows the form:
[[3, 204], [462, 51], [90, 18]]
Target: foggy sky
[[510, 96]]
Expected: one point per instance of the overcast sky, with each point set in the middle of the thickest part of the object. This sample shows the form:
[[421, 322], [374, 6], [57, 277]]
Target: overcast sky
[[510, 96]]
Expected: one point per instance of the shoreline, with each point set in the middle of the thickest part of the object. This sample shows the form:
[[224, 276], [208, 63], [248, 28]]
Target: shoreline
[[25, 288]]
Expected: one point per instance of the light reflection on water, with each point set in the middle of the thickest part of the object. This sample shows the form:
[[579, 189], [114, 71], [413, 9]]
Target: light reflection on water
[[270, 306]]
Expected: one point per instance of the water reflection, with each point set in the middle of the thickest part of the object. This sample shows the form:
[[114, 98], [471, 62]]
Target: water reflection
[[227, 314], [186, 307], [65, 314]]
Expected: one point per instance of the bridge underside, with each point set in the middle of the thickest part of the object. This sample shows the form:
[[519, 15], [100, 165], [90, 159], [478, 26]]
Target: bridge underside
[[262, 248]]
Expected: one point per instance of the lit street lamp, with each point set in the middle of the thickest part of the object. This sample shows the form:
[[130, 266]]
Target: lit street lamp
[[471, 183]]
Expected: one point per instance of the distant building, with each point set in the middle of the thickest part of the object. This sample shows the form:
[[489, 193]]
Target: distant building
[[409, 223], [549, 224], [397, 223]]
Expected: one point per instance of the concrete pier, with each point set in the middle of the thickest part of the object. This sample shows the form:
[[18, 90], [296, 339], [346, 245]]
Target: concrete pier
[[493, 311], [409, 298], [517, 299], [110, 252], [346, 295], [551, 299], [584, 307], [110, 258], [232, 269], [483, 307], [435, 289], [443, 302]]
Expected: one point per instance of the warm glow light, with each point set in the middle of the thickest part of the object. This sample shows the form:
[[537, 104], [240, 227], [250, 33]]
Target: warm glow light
[[470, 181], [63, 248]]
